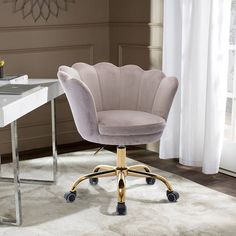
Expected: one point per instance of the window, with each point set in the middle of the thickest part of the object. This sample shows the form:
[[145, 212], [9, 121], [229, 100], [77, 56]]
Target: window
[[230, 118], [228, 158]]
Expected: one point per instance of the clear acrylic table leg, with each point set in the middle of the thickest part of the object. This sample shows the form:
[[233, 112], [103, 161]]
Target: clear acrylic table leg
[[16, 180]]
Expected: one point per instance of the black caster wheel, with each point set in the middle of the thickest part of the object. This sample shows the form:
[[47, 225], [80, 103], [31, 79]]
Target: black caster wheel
[[93, 181], [121, 208], [150, 181], [172, 196], [70, 196]]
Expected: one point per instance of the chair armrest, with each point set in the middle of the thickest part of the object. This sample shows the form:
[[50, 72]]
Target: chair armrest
[[82, 105], [164, 96]]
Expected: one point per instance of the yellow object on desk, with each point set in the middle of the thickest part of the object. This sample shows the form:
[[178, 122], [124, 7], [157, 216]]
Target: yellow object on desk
[[2, 63]]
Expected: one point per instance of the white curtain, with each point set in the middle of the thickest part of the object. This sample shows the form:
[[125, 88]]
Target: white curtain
[[195, 50]]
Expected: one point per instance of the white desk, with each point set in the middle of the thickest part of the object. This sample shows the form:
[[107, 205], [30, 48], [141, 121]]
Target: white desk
[[12, 107]]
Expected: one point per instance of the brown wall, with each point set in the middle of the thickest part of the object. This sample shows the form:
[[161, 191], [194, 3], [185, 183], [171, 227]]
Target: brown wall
[[136, 32], [119, 31], [80, 34]]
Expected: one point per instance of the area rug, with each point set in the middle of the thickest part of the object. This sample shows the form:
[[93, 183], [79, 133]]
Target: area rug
[[199, 211]]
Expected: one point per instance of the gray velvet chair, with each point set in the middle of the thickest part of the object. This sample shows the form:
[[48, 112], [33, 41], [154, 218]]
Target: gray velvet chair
[[118, 106]]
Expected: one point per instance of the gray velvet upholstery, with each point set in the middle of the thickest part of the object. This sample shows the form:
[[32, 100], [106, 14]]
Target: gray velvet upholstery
[[118, 105], [126, 122]]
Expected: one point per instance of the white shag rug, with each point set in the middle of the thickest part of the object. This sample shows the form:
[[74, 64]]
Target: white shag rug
[[199, 211]]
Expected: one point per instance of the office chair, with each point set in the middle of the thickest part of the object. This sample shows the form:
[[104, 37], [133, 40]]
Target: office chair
[[118, 106]]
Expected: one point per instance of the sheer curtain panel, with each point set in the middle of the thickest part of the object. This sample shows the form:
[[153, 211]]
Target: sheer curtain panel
[[195, 50]]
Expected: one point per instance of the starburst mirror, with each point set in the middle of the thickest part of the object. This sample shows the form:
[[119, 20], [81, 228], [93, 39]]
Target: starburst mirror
[[39, 8]]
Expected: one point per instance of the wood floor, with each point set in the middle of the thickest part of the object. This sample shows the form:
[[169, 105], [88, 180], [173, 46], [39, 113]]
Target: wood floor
[[219, 182]]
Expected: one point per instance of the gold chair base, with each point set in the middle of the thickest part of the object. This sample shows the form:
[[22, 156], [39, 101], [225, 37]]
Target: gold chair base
[[121, 171]]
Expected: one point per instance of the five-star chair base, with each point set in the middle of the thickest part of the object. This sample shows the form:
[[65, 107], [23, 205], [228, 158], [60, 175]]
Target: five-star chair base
[[121, 171]]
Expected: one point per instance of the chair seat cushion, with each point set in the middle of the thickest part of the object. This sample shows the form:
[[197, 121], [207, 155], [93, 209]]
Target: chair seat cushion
[[127, 122]]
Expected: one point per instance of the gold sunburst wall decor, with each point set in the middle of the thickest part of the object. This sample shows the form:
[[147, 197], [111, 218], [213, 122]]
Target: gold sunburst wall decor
[[39, 8]]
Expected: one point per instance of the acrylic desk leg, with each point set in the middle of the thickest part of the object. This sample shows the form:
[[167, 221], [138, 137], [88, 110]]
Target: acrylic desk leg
[[16, 180], [15, 159], [54, 146]]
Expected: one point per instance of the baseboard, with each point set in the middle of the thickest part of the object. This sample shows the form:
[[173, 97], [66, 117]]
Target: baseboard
[[154, 147], [227, 172], [47, 151]]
